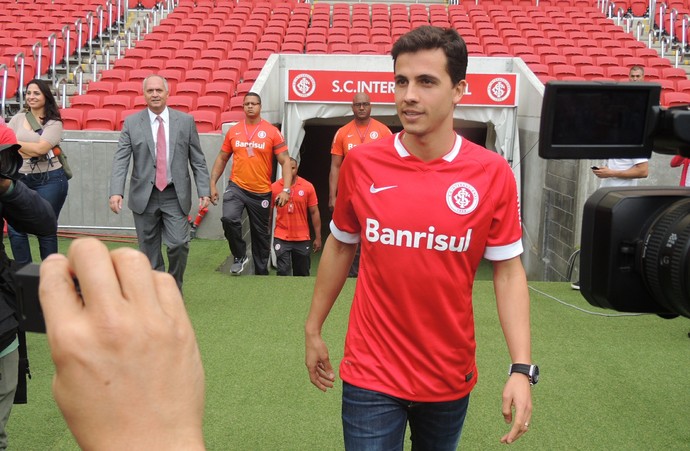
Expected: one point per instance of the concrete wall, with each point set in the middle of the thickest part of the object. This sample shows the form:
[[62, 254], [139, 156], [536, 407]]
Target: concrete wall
[[90, 156]]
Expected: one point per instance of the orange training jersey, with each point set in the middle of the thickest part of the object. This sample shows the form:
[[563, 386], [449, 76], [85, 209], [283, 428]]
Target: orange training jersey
[[253, 147], [349, 135], [292, 222]]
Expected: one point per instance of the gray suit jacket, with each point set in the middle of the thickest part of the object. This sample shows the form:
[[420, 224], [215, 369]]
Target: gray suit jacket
[[136, 140]]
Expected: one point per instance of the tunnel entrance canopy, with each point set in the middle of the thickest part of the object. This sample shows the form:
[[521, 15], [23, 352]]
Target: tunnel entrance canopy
[[297, 88]]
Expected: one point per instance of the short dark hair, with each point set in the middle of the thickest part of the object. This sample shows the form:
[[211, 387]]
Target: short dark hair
[[50, 109], [428, 37], [253, 94], [637, 68]]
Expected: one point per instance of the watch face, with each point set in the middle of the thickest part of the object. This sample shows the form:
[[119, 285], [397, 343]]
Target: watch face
[[534, 374]]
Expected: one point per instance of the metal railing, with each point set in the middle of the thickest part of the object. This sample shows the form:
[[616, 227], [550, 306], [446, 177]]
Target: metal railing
[[61, 90], [19, 67], [3, 100], [78, 74], [37, 53]]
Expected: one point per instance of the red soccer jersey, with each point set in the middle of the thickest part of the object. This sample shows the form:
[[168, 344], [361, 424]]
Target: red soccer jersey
[[253, 147], [350, 135], [423, 227], [292, 222]]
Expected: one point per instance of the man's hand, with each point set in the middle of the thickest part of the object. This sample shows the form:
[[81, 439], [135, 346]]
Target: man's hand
[[204, 201], [517, 396], [318, 364], [282, 199], [317, 245], [603, 172], [214, 195], [128, 373], [115, 202]]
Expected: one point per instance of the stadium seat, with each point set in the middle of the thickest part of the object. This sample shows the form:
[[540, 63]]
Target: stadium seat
[[675, 99], [100, 119], [182, 103], [189, 88], [236, 103], [674, 73], [85, 102], [683, 86], [206, 121], [130, 88], [117, 102], [102, 88], [71, 118], [123, 115], [211, 103], [114, 75]]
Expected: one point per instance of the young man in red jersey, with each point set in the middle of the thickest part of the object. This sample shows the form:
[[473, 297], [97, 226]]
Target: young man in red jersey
[[291, 239], [426, 205]]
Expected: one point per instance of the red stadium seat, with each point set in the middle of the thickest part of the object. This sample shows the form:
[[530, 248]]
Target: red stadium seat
[[211, 103], [100, 119], [675, 99], [123, 115], [222, 89], [85, 102], [117, 102], [206, 121], [189, 88], [71, 118], [182, 103], [101, 88]]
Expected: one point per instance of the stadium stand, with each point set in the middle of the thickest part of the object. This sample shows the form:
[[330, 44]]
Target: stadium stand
[[208, 50]]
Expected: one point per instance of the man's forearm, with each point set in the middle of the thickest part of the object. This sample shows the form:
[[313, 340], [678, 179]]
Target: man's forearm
[[513, 305]]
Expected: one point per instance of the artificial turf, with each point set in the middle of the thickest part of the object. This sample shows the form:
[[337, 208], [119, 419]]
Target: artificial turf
[[608, 382]]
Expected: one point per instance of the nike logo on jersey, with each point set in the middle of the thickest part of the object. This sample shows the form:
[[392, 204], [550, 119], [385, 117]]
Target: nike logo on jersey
[[374, 190]]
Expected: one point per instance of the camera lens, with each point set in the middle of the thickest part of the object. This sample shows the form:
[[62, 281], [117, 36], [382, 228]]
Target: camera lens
[[666, 258]]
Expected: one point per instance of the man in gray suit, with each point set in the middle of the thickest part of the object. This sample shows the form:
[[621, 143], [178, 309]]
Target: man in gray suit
[[164, 144]]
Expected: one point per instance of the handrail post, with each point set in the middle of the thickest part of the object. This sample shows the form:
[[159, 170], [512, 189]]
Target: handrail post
[[66, 38], [89, 21], [19, 67], [62, 94], [52, 46], [3, 68], [80, 42], [79, 79], [93, 62], [109, 5], [671, 23], [107, 57], [37, 52]]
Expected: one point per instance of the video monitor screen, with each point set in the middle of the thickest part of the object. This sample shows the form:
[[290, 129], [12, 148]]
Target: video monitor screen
[[597, 120]]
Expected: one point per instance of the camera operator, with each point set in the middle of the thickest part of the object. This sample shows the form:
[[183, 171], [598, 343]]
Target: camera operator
[[24, 210]]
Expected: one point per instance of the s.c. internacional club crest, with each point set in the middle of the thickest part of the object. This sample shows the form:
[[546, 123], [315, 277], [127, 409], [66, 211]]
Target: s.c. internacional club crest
[[303, 85], [462, 198]]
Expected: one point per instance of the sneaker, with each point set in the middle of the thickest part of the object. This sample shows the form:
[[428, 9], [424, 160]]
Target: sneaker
[[238, 265], [575, 285]]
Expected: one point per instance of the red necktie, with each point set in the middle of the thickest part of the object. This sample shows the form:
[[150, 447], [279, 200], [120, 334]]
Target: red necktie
[[161, 157]]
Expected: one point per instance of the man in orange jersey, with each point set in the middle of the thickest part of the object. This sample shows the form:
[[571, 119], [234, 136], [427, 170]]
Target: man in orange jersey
[[362, 129], [252, 142], [291, 239]]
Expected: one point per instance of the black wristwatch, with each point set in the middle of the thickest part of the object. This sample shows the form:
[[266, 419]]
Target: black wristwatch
[[531, 371]]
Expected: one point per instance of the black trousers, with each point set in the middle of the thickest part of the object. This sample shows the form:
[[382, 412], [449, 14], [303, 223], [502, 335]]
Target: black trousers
[[235, 200], [295, 254]]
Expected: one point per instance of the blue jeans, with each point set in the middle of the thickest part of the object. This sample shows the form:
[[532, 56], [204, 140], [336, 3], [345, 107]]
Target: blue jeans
[[375, 421], [52, 186]]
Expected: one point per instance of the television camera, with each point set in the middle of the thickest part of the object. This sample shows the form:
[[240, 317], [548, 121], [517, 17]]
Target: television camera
[[635, 252]]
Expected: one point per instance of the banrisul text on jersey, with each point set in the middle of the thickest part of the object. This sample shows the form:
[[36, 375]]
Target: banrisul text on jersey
[[416, 239]]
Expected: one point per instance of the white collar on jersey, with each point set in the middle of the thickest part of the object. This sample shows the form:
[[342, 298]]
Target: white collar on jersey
[[450, 156]]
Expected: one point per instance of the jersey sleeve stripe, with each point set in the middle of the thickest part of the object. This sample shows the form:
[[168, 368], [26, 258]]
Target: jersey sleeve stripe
[[344, 237], [499, 253]]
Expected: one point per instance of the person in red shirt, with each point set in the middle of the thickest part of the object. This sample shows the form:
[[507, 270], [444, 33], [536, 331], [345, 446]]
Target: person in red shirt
[[252, 143], [291, 239], [426, 206], [362, 129]]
